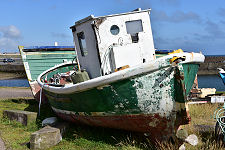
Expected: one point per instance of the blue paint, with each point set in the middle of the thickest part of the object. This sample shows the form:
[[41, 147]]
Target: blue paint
[[222, 75], [14, 83]]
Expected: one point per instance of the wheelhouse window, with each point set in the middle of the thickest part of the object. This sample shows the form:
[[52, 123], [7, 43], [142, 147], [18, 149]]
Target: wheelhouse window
[[114, 30], [133, 28], [82, 43]]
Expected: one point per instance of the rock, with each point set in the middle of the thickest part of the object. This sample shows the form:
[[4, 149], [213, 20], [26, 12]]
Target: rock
[[192, 139], [182, 134], [45, 138], [182, 147], [24, 117], [49, 121]]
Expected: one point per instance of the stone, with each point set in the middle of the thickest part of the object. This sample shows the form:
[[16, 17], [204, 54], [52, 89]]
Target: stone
[[49, 121], [192, 139], [182, 134], [182, 147], [24, 117], [45, 138]]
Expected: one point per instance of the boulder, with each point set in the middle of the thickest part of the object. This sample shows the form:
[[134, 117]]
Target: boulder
[[45, 138], [24, 117]]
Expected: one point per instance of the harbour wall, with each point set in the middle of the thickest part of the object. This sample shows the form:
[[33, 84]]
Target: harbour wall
[[209, 67], [12, 68], [15, 67]]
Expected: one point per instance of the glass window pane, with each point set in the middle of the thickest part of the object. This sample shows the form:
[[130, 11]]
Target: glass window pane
[[82, 43], [114, 29], [134, 26]]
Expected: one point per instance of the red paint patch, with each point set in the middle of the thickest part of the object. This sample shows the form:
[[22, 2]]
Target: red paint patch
[[161, 128]]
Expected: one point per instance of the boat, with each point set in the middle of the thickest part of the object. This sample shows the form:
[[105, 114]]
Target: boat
[[222, 74], [119, 82], [37, 59]]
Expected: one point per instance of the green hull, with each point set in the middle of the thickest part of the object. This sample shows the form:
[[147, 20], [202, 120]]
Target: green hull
[[149, 103], [152, 93]]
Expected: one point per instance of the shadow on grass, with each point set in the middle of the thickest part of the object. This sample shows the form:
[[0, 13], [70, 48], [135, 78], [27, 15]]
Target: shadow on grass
[[210, 141], [109, 136]]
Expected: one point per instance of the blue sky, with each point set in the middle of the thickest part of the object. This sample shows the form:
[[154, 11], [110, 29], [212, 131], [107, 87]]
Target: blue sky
[[193, 25]]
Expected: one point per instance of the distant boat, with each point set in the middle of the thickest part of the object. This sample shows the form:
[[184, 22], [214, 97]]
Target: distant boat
[[222, 74], [37, 59], [119, 82]]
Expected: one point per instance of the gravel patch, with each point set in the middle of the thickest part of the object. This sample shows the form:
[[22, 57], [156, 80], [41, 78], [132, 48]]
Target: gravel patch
[[15, 92]]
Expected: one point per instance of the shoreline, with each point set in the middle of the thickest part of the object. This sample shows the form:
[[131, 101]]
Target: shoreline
[[10, 75]]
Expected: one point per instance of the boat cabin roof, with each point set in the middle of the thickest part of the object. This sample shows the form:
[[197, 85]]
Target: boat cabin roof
[[48, 48], [113, 15]]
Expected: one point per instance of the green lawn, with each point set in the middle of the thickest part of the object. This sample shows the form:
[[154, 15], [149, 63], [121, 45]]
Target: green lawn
[[17, 136]]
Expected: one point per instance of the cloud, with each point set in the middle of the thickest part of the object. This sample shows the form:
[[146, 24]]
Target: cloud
[[60, 35], [170, 2], [9, 36], [6, 43], [214, 30], [185, 43], [223, 22], [11, 32], [221, 12], [177, 16]]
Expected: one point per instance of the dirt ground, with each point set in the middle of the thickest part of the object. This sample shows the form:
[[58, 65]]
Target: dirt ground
[[15, 92]]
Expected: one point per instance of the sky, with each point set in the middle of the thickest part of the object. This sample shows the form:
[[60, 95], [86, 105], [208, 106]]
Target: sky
[[192, 25]]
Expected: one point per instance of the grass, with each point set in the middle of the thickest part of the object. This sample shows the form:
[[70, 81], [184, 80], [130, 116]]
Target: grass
[[16, 136], [220, 92]]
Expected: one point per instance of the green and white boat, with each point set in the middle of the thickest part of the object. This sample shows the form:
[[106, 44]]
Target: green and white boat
[[119, 82]]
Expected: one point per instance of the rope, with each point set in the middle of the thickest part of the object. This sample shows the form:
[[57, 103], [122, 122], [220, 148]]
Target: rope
[[39, 108], [219, 115]]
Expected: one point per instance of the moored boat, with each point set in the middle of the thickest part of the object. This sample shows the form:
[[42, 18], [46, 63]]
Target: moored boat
[[222, 74], [37, 59], [119, 82]]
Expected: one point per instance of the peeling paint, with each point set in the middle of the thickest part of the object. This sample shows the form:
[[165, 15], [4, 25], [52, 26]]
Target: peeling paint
[[153, 97]]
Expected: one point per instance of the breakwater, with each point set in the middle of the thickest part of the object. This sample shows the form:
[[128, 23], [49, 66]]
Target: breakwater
[[209, 67], [15, 67]]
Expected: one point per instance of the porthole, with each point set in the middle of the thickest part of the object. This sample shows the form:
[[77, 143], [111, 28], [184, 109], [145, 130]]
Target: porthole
[[114, 29]]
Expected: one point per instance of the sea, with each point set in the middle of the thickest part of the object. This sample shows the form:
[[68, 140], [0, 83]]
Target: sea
[[14, 83], [211, 81], [204, 81]]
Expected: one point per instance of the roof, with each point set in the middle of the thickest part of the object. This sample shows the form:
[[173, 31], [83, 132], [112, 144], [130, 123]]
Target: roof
[[48, 48], [113, 15]]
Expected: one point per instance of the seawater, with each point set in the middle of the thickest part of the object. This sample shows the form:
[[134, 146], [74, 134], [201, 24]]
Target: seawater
[[211, 81], [14, 83]]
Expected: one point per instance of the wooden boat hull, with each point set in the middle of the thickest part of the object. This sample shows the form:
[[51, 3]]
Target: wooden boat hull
[[152, 103], [38, 59]]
